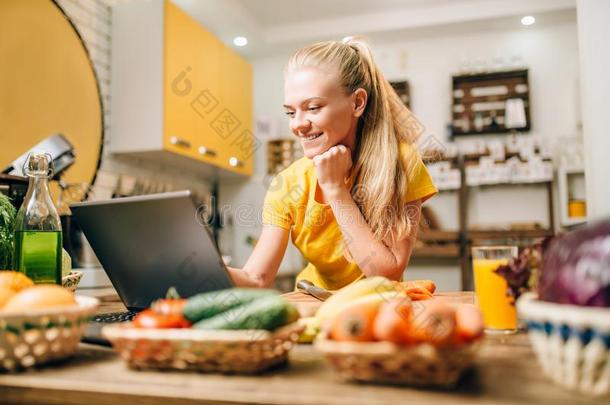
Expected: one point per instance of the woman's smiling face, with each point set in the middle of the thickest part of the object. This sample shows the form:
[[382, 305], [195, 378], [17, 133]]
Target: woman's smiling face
[[321, 114]]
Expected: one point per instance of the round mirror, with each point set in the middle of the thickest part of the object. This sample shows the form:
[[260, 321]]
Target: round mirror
[[47, 86]]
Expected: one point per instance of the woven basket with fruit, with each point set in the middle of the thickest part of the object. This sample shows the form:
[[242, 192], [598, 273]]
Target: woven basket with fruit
[[39, 323], [235, 331], [376, 330], [568, 319]]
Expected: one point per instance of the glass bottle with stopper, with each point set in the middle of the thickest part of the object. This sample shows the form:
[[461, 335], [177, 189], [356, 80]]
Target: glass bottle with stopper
[[38, 236]]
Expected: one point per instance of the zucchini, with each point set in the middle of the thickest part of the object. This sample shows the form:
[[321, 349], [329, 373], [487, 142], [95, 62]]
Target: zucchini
[[267, 313], [207, 305]]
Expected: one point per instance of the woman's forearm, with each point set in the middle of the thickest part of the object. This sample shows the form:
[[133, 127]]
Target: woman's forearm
[[241, 278], [262, 265], [373, 257]]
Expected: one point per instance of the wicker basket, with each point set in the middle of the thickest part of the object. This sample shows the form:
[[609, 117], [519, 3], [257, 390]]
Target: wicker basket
[[385, 362], [226, 351], [71, 281], [572, 343], [37, 336]]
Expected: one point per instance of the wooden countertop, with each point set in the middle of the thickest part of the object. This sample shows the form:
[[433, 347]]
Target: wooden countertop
[[506, 372]]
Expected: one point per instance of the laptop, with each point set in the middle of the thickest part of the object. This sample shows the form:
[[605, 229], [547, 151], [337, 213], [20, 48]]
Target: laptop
[[147, 244]]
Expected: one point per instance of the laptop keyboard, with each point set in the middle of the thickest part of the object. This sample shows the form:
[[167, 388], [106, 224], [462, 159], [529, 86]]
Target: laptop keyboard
[[113, 317]]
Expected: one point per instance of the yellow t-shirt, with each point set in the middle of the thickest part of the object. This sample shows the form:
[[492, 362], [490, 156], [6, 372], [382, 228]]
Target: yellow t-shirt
[[290, 203]]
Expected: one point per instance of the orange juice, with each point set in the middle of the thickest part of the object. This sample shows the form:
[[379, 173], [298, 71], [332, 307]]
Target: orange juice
[[498, 311]]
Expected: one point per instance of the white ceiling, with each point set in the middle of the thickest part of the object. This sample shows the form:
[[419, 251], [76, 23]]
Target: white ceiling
[[274, 26], [269, 12]]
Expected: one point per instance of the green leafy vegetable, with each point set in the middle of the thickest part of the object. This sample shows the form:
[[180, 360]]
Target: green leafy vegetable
[[522, 272], [7, 224]]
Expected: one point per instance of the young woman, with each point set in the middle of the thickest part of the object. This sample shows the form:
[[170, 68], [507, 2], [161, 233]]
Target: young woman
[[352, 204]]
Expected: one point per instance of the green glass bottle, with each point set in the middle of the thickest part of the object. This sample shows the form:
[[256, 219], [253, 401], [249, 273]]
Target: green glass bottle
[[38, 237]]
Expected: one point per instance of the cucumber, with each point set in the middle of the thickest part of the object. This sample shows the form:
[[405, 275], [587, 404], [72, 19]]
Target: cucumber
[[267, 313], [207, 305]]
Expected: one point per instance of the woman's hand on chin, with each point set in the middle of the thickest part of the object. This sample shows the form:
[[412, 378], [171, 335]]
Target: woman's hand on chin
[[332, 169]]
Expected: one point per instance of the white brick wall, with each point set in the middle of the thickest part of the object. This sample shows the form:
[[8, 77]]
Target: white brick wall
[[93, 20]]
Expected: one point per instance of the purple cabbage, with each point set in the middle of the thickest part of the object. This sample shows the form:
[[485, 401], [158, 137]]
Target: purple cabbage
[[576, 267]]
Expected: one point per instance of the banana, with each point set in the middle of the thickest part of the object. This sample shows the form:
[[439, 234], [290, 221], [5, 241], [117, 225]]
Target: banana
[[312, 328], [377, 286]]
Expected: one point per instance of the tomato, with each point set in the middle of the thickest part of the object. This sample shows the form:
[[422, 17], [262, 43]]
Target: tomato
[[168, 306], [171, 304], [151, 319], [164, 313]]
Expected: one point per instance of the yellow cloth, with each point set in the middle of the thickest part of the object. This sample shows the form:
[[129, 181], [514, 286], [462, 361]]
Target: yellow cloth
[[290, 202]]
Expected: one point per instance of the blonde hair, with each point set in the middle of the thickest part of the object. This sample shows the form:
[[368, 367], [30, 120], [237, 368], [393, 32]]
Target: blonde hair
[[380, 176]]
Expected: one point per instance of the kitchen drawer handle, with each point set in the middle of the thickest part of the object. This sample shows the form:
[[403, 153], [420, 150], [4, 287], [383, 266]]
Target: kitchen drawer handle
[[206, 151], [174, 140], [235, 162]]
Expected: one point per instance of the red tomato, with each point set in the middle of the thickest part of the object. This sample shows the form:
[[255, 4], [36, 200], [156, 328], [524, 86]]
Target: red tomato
[[168, 306], [150, 319]]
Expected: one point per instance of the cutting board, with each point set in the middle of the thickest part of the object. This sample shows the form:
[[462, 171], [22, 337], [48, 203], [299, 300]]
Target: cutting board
[[308, 305]]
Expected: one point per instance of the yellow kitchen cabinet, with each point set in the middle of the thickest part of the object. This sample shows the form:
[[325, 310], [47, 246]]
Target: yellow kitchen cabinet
[[236, 95], [179, 95]]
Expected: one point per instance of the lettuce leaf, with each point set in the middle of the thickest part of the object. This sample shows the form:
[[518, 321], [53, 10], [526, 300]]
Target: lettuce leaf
[[7, 224]]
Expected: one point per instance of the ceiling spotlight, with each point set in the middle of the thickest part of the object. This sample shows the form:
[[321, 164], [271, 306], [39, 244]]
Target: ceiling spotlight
[[528, 20], [240, 41]]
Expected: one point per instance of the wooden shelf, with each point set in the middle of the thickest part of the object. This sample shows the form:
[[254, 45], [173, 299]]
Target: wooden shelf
[[437, 244], [455, 245], [448, 251], [520, 237], [508, 183], [433, 235], [449, 189], [509, 234], [574, 221]]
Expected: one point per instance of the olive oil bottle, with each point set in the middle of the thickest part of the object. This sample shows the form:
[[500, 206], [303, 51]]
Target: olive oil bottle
[[38, 236]]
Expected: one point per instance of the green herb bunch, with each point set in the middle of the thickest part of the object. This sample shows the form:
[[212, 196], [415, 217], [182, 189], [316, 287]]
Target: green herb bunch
[[7, 226]]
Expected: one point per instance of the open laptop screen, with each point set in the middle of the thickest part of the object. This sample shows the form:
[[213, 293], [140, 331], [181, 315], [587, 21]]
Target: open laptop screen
[[147, 244]]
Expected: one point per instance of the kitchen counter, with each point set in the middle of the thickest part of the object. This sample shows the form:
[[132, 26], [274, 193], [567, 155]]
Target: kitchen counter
[[506, 371]]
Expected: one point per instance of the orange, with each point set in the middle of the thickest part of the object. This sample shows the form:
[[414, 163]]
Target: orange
[[5, 295], [40, 297], [14, 280]]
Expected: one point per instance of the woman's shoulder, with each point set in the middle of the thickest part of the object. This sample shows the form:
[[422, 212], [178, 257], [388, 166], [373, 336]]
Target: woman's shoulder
[[410, 157], [420, 184], [302, 165], [408, 151], [298, 176], [297, 170]]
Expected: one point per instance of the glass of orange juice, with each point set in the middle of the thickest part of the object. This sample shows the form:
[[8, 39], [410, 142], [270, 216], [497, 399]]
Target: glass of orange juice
[[499, 313]]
